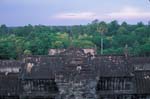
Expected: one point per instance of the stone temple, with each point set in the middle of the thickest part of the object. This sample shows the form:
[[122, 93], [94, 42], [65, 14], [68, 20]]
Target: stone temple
[[75, 73]]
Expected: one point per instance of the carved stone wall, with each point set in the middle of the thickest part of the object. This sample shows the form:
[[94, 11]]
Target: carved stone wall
[[77, 79]]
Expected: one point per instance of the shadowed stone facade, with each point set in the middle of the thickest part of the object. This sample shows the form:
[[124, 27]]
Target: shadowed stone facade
[[75, 73]]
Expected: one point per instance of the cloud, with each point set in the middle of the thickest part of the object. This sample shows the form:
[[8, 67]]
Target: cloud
[[126, 13], [129, 13], [76, 15]]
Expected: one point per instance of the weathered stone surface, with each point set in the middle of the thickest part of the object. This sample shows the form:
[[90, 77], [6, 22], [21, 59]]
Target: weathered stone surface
[[76, 73]]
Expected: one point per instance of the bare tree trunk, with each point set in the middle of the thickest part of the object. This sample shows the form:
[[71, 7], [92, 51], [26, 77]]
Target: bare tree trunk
[[102, 46]]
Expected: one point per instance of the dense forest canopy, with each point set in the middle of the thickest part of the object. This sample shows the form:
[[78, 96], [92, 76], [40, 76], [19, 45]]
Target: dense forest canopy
[[36, 40]]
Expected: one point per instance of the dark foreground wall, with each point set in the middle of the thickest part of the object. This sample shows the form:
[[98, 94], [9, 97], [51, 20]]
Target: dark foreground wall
[[74, 74]]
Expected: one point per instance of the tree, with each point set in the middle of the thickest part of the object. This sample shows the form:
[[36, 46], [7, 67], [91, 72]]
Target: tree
[[27, 52], [145, 48], [102, 29], [122, 30], [112, 28], [149, 24], [6, 51], [124, 24], [96, 21], [57, 44], [37, 40], [83, 43], [140, 24], [3, 29]]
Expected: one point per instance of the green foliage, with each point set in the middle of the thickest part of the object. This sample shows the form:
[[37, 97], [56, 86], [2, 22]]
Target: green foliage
[[27, 52], [83, 44], [7, 48], [36, 40]]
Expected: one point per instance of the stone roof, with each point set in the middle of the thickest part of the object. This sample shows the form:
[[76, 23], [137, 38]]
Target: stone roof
[[40, 67], [140, 63], [10, 63], [139, 60], [113, 66], [10, 66]]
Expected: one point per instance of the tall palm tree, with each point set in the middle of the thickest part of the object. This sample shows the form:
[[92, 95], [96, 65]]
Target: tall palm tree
[[70, 35], [102, 29]]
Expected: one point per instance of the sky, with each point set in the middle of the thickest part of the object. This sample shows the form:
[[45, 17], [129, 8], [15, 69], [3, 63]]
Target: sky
[[72, 12]]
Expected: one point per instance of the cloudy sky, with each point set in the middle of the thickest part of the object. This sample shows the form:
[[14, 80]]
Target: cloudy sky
[[71, 12]]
